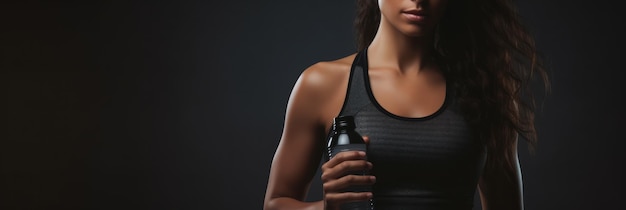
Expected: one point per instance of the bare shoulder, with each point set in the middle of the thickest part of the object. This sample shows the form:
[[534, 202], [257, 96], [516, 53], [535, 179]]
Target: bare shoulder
[[326, 76], [321, 89]]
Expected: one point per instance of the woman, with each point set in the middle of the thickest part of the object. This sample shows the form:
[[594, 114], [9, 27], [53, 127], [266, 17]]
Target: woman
[[437, 89]]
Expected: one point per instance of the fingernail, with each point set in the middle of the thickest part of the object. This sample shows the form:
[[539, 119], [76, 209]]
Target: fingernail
[[373, 178], [361, 153]]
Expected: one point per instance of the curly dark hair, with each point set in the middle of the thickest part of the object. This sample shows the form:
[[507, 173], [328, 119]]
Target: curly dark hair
[[490, 59]]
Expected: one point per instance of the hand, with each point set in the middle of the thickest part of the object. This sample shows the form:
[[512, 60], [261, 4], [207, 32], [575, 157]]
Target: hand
[[336, 177]]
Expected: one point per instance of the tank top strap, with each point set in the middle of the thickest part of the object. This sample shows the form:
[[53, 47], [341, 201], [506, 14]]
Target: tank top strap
[[356, 95]]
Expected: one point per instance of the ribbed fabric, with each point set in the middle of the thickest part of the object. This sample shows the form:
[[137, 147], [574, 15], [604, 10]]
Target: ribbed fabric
[[428, 163]]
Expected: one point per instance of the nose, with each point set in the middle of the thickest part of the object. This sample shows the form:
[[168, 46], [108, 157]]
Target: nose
[[421, 3]]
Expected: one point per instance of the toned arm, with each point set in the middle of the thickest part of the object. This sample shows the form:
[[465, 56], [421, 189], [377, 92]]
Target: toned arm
[[502, 189], [299, 151]]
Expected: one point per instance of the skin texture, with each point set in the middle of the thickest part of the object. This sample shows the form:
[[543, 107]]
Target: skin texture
[[404, 80]]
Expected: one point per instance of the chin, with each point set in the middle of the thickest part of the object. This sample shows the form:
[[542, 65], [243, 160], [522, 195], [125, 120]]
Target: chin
[[415, 31], [415, 34]]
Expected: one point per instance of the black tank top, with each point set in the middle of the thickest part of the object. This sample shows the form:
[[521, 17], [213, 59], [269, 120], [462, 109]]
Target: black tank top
[[427, 163]]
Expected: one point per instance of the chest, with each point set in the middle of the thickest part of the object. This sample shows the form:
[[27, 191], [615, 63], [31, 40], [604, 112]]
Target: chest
[[438, 146], [412, 97]]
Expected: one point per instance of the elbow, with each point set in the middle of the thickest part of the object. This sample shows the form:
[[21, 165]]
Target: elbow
[[269, 204]]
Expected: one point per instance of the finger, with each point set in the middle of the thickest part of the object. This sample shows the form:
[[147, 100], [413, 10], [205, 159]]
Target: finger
[[343, 156], [335, 199], [345, 168], [366, 139], [341, 184]]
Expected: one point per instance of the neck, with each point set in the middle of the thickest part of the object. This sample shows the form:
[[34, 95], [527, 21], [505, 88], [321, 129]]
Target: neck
[[393, 49]]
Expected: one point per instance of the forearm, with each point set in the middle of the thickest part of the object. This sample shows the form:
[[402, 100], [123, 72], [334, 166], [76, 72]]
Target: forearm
[[286, 203], [502, 196], [502, 188]]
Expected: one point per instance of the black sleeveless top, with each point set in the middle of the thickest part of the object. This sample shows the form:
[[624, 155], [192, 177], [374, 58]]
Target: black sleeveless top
[[428, 163]]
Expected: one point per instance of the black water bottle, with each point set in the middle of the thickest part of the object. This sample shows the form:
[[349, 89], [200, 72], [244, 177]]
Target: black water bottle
[[345, 138]]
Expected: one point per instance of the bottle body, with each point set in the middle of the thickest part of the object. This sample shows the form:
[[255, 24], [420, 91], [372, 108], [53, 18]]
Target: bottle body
[[345, 138]]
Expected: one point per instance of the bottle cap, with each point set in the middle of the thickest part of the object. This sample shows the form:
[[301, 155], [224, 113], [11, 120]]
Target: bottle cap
[[344, 122]]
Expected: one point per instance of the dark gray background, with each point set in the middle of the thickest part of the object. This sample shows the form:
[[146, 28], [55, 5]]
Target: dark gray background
[[180, 105]]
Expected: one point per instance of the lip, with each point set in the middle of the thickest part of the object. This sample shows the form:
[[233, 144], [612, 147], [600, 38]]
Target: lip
[[415, 15], [418, 12]]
